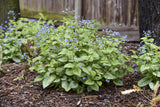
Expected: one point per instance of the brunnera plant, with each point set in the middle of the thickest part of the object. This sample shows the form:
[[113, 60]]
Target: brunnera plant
[[148, 61], [76, 56], [19, 39]]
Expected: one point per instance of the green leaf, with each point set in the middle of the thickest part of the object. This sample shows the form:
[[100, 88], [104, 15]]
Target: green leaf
[[120, 74], [95, 56], [118, 82], [57, 80], [64, 59], [107, 51], [51, 70], [152, 85], [32, 68], [59, 70], [96, 66], [36, 59], [90, 59], [16, 59], [154, 66], [134, 56], [77, 72], [69, 65], [83, 58], [99, 77], [74, 84], [147, 58], [130, 69], [38, 78], [64, 77], [144, 68], [80, 90], [64, 51], [69, 72], [99, 83], [144, 81], [93, 73], [156, 73], [70, 55], [86, 70], [6, 51], [89, 82], [93, 87], [109, 76], [66, 85], [47, 81]]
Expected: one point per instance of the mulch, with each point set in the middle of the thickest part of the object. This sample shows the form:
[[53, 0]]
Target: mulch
[[22, 92]]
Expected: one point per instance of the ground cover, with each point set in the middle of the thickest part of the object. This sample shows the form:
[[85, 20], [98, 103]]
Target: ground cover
[[75, 65], [22, 92]]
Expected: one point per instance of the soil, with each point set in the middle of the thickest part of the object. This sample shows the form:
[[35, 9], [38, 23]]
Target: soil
[[22, 92]]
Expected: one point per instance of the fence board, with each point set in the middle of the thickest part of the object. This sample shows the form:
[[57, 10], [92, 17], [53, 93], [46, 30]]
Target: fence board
[[106, 11]]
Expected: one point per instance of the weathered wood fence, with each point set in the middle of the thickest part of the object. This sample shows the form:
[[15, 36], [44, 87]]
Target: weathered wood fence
[[108, 12], [6, 6]]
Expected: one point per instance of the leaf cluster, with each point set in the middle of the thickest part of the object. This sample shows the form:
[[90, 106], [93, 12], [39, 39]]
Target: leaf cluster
[[148, 61], [74, 56]]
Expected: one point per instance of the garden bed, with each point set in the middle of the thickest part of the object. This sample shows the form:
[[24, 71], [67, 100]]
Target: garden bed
[[22, 92]]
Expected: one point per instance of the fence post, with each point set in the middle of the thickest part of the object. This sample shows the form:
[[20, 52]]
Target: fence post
[[78, 10], [149, 18]]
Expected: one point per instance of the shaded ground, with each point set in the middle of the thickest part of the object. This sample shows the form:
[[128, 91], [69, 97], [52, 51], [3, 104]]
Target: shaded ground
[[24, 93]]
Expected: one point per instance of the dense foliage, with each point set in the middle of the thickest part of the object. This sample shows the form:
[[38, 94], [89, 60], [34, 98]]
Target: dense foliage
[[76, 56], [148, 61], [73, 56]]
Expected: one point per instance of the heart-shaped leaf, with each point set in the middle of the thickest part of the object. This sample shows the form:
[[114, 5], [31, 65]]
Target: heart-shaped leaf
[[47, 81], [144, 81]]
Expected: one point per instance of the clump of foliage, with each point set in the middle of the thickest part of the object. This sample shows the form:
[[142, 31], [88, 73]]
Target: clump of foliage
[[74, 56], [18, 38], [148, 61]]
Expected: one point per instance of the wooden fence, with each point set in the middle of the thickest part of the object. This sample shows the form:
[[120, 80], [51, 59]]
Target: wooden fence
[[108, 12]]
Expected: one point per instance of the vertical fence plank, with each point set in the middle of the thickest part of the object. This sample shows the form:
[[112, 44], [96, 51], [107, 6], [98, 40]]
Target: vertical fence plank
[[105, 11]]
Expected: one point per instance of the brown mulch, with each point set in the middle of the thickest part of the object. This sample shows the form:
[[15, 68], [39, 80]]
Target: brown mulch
[[23, 93]]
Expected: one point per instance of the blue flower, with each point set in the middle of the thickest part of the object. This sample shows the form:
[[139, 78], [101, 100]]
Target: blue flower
[[133, 65], [5, 36], [67, 44], [125, 47], [84, 78], [11, 12], [66, 40], [91, 45], [107, 81], [149, 31]]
